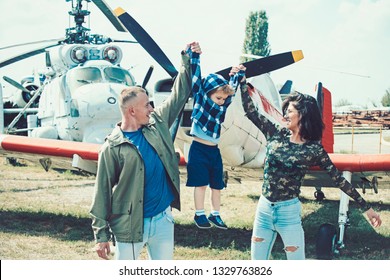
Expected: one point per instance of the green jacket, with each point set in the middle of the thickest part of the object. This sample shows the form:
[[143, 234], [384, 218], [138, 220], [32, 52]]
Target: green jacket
[[119, 187]]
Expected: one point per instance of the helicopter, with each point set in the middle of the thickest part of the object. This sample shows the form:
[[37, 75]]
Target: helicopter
[[75, 97]]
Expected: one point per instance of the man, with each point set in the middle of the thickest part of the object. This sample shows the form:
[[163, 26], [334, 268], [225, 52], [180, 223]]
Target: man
[[137, 179]]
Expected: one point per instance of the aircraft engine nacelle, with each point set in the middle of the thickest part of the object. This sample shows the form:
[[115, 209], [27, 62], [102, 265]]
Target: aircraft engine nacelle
[[20, 98], [69, 56]]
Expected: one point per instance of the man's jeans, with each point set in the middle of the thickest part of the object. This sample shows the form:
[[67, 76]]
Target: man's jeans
[[158, 238]]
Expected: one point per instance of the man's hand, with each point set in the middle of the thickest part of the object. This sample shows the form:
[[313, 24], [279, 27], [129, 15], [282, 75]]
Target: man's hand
[[103, 250], [195, 47]]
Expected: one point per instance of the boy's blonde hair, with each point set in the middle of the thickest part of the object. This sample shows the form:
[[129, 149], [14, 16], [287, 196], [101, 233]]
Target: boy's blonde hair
[[227, 89]]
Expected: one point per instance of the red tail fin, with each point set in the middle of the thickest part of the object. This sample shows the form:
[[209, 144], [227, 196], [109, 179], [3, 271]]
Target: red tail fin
[[324, 99]]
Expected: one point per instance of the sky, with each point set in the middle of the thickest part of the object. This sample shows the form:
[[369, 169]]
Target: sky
[[345, 42]]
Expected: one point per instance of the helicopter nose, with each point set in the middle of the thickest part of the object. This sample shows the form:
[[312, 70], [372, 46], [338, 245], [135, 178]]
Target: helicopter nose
[[98, 101]]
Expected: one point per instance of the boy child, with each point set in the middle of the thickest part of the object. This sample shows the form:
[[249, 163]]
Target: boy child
[[212, 96]]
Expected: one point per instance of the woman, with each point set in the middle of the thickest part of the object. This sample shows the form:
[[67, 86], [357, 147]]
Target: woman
[[291, 151]]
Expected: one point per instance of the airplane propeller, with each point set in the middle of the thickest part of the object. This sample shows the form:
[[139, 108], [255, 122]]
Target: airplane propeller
[[16, 84], [147, 76], [109, 14], [48, 59], [267, 64], [146, 41]]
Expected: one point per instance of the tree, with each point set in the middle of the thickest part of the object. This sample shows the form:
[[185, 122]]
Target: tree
[[343, 102], [256, 35], [386, 98]]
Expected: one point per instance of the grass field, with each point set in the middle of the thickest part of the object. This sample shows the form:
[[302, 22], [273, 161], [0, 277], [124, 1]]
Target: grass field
[[44, 215]]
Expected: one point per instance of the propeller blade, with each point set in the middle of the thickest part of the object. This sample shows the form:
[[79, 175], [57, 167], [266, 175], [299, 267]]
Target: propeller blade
[[267, 64], [48, 59], [101, 4], [31, 43], [147, 76], [25, 55], [145, 41], [15, 84]]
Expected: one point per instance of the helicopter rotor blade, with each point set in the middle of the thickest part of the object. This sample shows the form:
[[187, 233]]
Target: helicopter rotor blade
[[124, 41], [106, 10], [267, 64], [26, 55], [15, 84], [145, 41], [147, 76], [31, 43]]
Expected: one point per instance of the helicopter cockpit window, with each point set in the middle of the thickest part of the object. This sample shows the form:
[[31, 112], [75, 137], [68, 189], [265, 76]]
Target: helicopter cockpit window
[[83, 76], [118, 75]]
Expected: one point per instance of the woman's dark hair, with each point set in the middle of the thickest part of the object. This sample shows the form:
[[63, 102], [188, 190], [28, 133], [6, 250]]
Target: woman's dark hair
[[310, 124]]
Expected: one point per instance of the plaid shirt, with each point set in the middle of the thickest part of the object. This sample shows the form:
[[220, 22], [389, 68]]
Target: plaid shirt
[[207, 114]]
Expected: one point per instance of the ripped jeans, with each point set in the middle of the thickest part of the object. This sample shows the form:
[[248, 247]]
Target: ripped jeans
[[158, 238], [283, 217]]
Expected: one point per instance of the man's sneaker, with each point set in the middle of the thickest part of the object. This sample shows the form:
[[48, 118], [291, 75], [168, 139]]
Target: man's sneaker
[[201, 221], [217, 221]]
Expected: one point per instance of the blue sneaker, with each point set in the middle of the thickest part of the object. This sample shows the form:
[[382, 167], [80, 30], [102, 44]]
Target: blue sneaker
[[217, 221], [201, 221]]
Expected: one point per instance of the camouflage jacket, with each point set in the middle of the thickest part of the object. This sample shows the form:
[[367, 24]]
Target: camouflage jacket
[[286, 163]]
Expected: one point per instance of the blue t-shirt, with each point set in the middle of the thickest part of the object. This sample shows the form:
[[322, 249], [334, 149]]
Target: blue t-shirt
[[158, 194], [197, 131]]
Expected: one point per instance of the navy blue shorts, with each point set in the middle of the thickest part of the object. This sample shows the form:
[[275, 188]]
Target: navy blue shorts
[[204, 166]]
